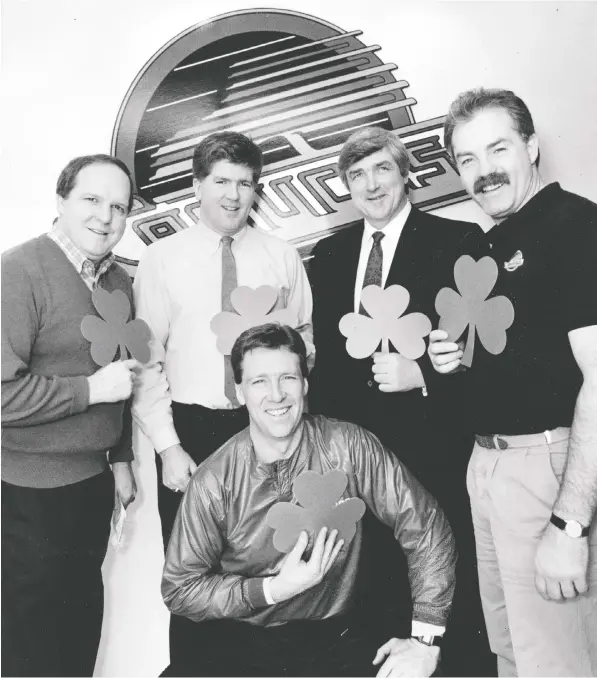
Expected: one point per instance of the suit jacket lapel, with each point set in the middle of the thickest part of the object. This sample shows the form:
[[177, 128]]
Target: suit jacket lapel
[[405, 256], [346, 267]]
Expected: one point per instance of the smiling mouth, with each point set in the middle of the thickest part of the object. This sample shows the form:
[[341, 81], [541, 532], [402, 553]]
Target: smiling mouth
[[376, 198], [93, 230], [230, 209], [279, 412], [491, 188]]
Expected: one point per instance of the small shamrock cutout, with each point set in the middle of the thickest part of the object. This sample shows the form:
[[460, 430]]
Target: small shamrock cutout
[[252, 308], [364, 334], [113, 329], [489, 318], [318, 496]]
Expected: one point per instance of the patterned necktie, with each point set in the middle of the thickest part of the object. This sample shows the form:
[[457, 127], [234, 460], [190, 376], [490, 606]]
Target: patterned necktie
[[229, 283], [373, 272]]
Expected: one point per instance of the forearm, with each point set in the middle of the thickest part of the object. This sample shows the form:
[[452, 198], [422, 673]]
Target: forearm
[[212, 596], [123, 450], [577, 499], [30, 399]]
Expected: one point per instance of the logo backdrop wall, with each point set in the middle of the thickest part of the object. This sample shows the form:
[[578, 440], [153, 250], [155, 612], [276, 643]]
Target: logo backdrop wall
[[299, 86]]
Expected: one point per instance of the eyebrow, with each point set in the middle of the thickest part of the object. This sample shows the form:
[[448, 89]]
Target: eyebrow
[[493, 144]]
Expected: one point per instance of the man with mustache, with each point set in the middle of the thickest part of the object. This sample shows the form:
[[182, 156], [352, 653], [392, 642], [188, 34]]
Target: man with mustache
[[186, 403], [409, 407], [532, 477], [64, 421]]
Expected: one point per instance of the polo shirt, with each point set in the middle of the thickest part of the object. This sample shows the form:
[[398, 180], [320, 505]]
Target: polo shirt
[[533, 384]]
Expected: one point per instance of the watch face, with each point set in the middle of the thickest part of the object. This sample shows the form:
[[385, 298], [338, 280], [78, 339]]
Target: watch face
[[573, 529]]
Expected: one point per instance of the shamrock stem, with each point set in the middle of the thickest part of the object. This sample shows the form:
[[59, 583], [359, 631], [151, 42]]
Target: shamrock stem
[[123, 352], [385, 345], [467, 356]]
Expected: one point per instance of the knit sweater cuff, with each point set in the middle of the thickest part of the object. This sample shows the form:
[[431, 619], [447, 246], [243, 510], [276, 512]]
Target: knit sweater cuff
[[80, 388]]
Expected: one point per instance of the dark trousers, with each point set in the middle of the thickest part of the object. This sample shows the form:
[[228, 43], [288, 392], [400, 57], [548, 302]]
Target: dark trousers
[[53, 545], [439, 463], [332, 647], [201, 431]]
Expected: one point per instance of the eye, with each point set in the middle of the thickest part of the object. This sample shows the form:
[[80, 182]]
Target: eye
[[465, 161], [246, 184], [257, 382], [290, 377], [220, 181], [120, 209], [92, 199], [499, 149]]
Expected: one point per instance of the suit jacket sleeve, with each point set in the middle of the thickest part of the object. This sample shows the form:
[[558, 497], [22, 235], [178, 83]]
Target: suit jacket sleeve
[[397, 499]]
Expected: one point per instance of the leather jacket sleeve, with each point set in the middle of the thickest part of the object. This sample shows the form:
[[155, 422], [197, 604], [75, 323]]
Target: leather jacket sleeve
[[397, 499], [191, 584]]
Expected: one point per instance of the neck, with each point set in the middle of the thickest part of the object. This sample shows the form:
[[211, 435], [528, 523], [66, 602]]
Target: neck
[[535, 185], [269, 450]]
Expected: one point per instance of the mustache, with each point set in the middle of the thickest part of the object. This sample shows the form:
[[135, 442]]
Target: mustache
[[489, 180]]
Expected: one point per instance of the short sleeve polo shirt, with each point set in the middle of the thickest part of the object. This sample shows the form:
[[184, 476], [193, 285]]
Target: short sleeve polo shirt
[[547, 261]]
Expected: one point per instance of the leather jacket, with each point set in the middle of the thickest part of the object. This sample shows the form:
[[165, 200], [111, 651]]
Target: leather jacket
[[221, 547]]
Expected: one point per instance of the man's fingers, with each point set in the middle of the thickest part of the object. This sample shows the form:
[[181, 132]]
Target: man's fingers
[[382, 652], [299, 548], [443, 347], [448, 367], [581, 585], [317, 553], [333, 556], [568, 590], [328, 548], [438, 335], [541, 586], [132, 364], [192, 466]]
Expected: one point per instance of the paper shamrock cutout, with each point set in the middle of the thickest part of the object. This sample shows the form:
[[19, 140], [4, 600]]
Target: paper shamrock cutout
[[113, 329], [318, 496], [385, 306], [253, 308], [489, 318]]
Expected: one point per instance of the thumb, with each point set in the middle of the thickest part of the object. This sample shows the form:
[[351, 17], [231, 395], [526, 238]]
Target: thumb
[[580, 584], [383, 651], [299, 548], [131, 363], [192, 465]]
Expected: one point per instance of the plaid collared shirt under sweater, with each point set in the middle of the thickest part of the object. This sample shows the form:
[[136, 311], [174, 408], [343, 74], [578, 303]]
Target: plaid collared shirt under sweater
[[87, 269]]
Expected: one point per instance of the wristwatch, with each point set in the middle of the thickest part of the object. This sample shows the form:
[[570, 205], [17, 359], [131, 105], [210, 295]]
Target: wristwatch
[[429, 640], [570, 527]]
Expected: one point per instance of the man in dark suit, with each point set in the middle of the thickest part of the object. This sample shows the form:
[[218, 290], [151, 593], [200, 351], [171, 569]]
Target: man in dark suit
[[400, 400]]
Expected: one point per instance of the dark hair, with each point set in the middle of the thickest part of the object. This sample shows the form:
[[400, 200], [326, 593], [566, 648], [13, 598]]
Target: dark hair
[[272, 336], [232, 146], [369, 140], [68, 177], [467, 104]]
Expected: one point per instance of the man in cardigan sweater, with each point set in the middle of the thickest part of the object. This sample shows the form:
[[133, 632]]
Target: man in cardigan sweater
[[63, 421]]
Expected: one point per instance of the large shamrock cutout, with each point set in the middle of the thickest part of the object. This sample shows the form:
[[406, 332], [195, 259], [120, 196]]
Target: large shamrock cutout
[[364, 334], [114, 330], [253, 308], [490, 318], [318, 496]]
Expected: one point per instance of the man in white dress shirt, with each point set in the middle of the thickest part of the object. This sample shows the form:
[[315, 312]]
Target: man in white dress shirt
[[186, 404], [399, 400]]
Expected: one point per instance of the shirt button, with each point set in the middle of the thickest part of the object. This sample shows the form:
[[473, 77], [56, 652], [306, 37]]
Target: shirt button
[[369, 383]]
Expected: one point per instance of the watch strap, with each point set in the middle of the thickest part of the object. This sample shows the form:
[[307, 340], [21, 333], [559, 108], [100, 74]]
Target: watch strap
[[429, 640], [562, 524]]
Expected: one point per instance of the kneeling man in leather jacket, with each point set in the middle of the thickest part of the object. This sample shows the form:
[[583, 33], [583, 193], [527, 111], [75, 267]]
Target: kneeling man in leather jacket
[[273, 590]]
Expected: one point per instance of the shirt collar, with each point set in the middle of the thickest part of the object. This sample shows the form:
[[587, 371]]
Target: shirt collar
[[211, 239], [76, 257], [393, 228]]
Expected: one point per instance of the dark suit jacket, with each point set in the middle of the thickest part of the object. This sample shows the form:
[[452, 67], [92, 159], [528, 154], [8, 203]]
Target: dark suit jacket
[[417, 429]]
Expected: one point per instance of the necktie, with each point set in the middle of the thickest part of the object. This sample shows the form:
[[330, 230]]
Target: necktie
[[373, 272], [228, 284]]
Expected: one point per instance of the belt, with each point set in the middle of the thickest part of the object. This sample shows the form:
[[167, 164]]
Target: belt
[[502, 442]]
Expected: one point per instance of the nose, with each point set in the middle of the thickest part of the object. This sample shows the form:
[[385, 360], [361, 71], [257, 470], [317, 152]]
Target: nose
[[232, 192], [276, 394], [486, 165], [104, 213], [372, 182]]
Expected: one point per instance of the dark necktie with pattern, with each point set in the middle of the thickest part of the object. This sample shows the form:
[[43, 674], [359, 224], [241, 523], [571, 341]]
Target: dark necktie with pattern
[[373, 272], [229, 283]]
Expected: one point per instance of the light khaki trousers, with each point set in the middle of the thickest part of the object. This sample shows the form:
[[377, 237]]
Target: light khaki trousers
[[512, 493]]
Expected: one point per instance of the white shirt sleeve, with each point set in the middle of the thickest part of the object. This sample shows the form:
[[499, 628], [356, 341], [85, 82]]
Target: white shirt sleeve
[[152, 403], [424, 629]]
